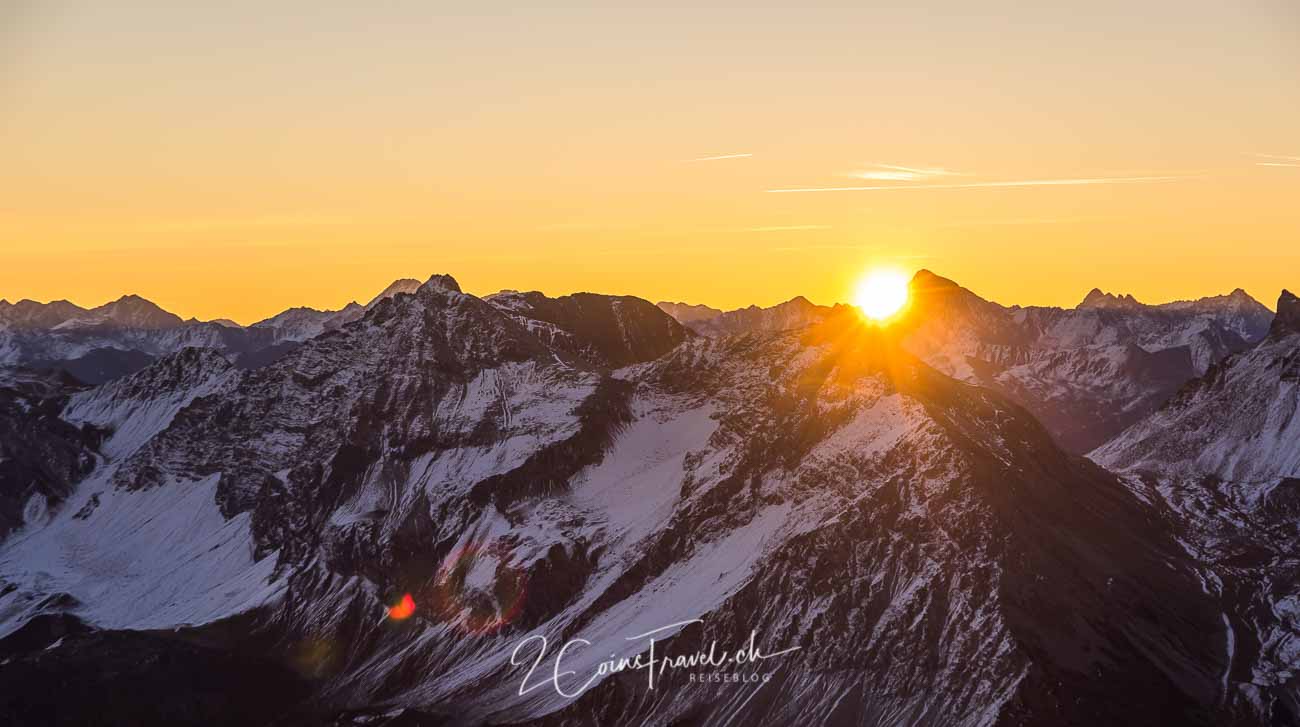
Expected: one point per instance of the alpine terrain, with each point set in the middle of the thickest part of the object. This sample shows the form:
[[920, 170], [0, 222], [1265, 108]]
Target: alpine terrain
[[451, 510]]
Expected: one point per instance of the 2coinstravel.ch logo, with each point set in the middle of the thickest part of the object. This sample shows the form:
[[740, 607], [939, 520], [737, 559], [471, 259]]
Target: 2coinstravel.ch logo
[[710, 665]]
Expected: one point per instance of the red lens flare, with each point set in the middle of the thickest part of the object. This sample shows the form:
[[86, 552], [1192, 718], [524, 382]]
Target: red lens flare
[[403, 609], [478, 590]]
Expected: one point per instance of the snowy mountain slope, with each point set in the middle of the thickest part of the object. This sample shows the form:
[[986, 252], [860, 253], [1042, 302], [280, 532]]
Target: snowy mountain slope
[[134, 408], [139, 502], [1222, 461], [934, 556], [1238, 422], [152, 559], [912, 554]]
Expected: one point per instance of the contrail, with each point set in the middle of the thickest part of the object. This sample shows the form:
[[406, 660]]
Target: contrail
[[935, 172], [978, 185], [720, 156]]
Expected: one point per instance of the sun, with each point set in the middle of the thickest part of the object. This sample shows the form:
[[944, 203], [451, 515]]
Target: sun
[[881, 294]]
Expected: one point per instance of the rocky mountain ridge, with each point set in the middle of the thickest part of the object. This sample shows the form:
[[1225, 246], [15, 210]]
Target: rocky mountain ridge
[[1086, 373]]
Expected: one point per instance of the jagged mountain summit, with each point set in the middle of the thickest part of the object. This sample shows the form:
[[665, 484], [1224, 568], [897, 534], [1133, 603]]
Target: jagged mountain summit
[[1098, 299], [585, 468], [1235, 313]]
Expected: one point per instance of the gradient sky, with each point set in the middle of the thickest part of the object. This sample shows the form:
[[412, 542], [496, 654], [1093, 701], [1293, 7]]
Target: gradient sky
[[235, 159]]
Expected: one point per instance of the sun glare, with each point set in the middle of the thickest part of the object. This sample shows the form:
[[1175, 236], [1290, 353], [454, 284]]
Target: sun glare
[[881, 294]]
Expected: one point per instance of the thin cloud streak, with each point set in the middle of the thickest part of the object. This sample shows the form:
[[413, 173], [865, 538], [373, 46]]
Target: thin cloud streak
[[718, 157], [1011, 221], [897, 173], [864, 247], [921, 170], [787, 228], [1282, 157], [986, 185], [889, 176], [271, 220], [787, 248], [1275, 164]]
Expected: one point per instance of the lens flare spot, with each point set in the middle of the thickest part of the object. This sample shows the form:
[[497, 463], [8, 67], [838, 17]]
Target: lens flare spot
[[403, 609], [478, 590]]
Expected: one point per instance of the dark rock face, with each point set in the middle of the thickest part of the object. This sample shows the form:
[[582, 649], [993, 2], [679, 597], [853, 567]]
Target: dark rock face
[[603, 330], [1283, 500], [58, 671], [100, 365], [1287, 319], [42, 457]]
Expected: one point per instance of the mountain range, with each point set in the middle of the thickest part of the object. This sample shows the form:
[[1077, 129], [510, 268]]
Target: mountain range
[[107, 342], [365, 516], [1086, 373]]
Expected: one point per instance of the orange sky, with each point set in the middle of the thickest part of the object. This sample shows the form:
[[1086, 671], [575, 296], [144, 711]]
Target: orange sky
[[233, 161]]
